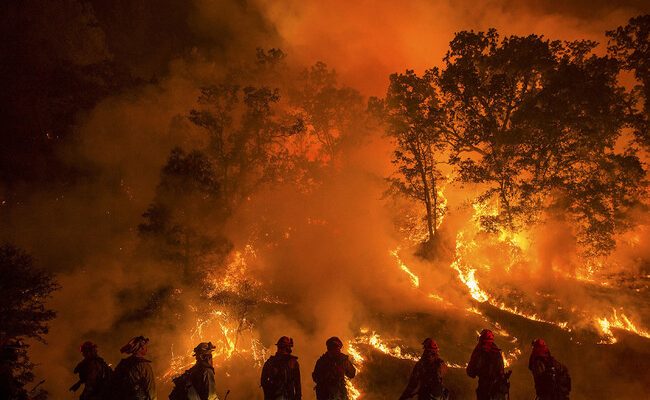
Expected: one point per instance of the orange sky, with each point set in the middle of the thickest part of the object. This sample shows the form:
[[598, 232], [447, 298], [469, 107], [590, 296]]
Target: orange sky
[[367, 40]]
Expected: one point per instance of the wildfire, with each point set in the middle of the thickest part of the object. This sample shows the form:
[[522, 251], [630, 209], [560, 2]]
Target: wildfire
[[415, 280], [375, 341], [353, 392], [466, 274], [358, 360], [617, 321], [227, 325]]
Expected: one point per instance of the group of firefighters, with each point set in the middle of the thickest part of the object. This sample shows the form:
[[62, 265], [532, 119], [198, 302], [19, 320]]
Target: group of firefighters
[[133, 377]]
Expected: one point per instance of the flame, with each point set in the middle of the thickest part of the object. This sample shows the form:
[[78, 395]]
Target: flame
[[415, 280], [465, 274], [357, 358], [617, 321], [375, 341], [232, 333], [519, 243], [442, 204]]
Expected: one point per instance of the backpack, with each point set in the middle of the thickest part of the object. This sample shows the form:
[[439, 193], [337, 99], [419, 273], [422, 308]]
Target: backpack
[[105, 379], [183, 388], [121, 385], [562, 379], [279, 376]]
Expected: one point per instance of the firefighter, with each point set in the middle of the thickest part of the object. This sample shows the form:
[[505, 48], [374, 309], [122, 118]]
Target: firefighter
[[552, 380], [197, 383], [426, 378], [133, 378], [93, 373], [331, 370], [486, 363], [280, 378]]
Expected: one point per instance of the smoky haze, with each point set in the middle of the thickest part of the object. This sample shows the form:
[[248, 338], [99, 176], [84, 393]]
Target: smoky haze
[[98, 94]]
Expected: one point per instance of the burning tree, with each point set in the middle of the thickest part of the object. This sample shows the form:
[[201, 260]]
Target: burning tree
[[536, 123], [412, 112]]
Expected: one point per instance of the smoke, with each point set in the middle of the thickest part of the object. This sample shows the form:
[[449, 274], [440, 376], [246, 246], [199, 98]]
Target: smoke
[[330, 266], [368, 40]]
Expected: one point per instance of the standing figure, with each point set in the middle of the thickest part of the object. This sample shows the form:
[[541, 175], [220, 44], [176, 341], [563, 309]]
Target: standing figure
[[133, 378], [331, 370], [486, 362], [197, 383], [426, 378], [552, 380], [93, 373], [281, 373]]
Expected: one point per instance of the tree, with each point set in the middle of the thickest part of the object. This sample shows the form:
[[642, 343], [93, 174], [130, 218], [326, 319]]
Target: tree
[[413, 117], [24, 289], [331, 113], [246, 132], [630, 44], [181, 221], [534, 121]]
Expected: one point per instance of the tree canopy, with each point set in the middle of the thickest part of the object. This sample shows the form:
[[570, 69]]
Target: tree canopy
[[537, 124]]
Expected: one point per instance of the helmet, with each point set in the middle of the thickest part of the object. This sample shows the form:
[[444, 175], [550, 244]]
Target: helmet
[[88, 347], [486, 336], [334, 342], [430, 344], [204, 348], [540, 347], [134, 345], [284, 342]]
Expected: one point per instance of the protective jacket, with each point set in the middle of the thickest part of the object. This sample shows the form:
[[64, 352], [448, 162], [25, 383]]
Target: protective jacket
[[95, 375], [134, 380], [486, 363], [329, 374], [552, 380], [426, 379], [280, 378]]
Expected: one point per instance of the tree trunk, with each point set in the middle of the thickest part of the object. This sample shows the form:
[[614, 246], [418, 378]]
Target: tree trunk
[[427, 198]]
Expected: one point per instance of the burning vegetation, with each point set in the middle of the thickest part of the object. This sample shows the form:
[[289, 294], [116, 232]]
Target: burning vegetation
[[503, 188]]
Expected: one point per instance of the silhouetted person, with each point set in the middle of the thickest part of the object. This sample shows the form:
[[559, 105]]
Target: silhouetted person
[[281, 373], [486, 362], [133, 378], [93, 373], [552, 380], [197, 383], [426, 378], [330, 372]]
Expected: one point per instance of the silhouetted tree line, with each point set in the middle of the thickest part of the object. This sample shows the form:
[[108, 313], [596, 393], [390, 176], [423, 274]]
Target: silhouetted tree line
[[24, 289], [265, 124]]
